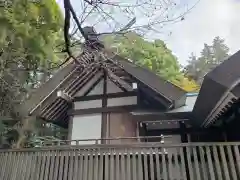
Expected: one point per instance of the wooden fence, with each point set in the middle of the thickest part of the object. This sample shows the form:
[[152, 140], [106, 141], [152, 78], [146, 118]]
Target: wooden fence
[[148, 161]]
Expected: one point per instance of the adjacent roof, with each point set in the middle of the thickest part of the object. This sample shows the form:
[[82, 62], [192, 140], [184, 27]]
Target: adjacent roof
[[219, 90], [45, 102]]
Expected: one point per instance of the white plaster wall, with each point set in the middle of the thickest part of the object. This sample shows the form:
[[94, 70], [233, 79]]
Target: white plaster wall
[[86, 127], [89, 84], [122, 101], [87, 104], [98, 89], [112, 88]]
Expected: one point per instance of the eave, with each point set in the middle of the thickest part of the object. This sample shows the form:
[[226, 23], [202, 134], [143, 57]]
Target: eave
[[53, 99], [220, 89]]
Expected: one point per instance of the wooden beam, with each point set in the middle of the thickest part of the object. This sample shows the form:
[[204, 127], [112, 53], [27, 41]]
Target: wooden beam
[[101, 96], [114, 109], [105, 124], [119, 82], [64, 96], [162, 116], [93, 86]]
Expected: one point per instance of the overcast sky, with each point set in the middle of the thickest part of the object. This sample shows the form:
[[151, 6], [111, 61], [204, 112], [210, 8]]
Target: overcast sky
[[208, 19]]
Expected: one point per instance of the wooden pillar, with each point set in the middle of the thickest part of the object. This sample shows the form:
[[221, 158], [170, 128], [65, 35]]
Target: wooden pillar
[[105, 123], [184, 139], [70, 125]]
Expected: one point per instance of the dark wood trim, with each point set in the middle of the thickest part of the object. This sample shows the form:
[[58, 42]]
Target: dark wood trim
[[113, 109], [70, 124], [163, 116], [117, 84], [104, 133], [183, 131], [101, 96], [93, 86]]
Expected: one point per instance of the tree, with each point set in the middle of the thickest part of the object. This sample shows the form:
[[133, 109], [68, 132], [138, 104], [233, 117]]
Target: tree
[[29, 32], [152, 55], [210, 57]]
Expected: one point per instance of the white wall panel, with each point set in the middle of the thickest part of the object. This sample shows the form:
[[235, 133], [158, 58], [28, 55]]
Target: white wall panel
[[122, 101], [87, 104], [112, 88], [86, 127], [89, 84], [98, 89]]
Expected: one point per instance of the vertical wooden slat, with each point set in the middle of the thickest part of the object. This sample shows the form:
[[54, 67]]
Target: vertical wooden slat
[[106, 172], [224, 162], [128, 164], [217, 163], [134, 165], [15, 165], [101, 163], [151, 154], [21, 164], [66, 164], [210, 163], [203, 163], [56, 165], [90, 167], [1, 160], [189, 161], [48, 155], [96, 165], [35, 165], [29, 162], [61, 165], [52, 164], [157, 163], [37, 171], [183, 165], [76, 166], [117, 165], [140, 167], [43, 167], [237, 156], [231, 162], [9, 169], [85, 168], [164, 165], [196, 163], [170, 165], [123, 172], [112, 167], [177, 165], [71, 165], [4, 164], [145, 164], [81, 165], [23, 167]]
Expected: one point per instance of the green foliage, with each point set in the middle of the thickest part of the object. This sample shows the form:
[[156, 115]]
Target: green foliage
[[29, 33], [153, 55], [210, 57]]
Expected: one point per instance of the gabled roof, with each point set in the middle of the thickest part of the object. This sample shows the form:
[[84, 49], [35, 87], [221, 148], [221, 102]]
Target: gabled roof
[[166, 89], [219, 90], [45, 102]]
